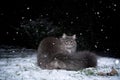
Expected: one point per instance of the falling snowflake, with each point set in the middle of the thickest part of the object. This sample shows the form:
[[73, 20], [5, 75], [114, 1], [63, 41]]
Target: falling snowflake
[[97, 13], [28, 8], [16, 32], [101, 30], [37, 31], [96, 46], [115, 5], [66, 13], [23, 17], [46, 14], [14, 39], [71, 22], [108, 49], [81, 34], [77, 17], [7, 33], [97, 42], [30, 19], [41, 15], [106, 37]]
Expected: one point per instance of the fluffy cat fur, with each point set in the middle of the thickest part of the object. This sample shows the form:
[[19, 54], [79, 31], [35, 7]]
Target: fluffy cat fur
[[78, 60], [60, 53], [51, 46]]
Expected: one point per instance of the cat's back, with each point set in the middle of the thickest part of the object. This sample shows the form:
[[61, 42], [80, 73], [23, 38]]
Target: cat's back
[[49, 45]]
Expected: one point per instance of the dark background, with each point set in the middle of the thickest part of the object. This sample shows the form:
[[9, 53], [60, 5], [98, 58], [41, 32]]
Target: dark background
[[96, 23]]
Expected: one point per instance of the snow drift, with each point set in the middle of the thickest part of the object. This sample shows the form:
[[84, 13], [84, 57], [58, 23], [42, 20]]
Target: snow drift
[[16, 66]]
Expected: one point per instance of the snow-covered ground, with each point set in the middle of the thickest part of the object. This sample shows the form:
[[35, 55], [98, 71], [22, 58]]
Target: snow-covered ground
[[21, 67]]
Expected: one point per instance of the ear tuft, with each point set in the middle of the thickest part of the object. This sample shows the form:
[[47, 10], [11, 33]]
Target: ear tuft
[[64, 35], [74, 36]]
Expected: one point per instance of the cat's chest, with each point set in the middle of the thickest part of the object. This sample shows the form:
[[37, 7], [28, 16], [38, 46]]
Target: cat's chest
[[69, 50]]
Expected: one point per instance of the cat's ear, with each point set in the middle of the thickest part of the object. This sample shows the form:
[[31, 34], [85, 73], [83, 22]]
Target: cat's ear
[[74, 36], [64, 35]]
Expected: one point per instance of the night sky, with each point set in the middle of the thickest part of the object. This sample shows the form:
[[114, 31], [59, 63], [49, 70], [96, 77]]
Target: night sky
[[95, 21]]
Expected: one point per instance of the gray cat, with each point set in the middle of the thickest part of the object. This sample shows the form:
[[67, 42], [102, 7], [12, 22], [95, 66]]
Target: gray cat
[[54, 53], [51, 46]]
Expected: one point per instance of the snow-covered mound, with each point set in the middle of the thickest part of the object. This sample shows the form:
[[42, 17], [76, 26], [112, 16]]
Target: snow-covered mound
[[24, 68]]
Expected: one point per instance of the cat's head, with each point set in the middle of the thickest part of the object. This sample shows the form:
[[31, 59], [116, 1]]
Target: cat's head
[[69, 41], [64, 36]]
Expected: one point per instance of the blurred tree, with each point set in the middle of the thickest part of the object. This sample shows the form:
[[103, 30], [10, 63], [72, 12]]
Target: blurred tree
[[35, 30]]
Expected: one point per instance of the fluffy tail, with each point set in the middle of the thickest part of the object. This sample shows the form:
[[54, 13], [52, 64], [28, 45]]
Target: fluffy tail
[[78, 60], [88, 59]]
